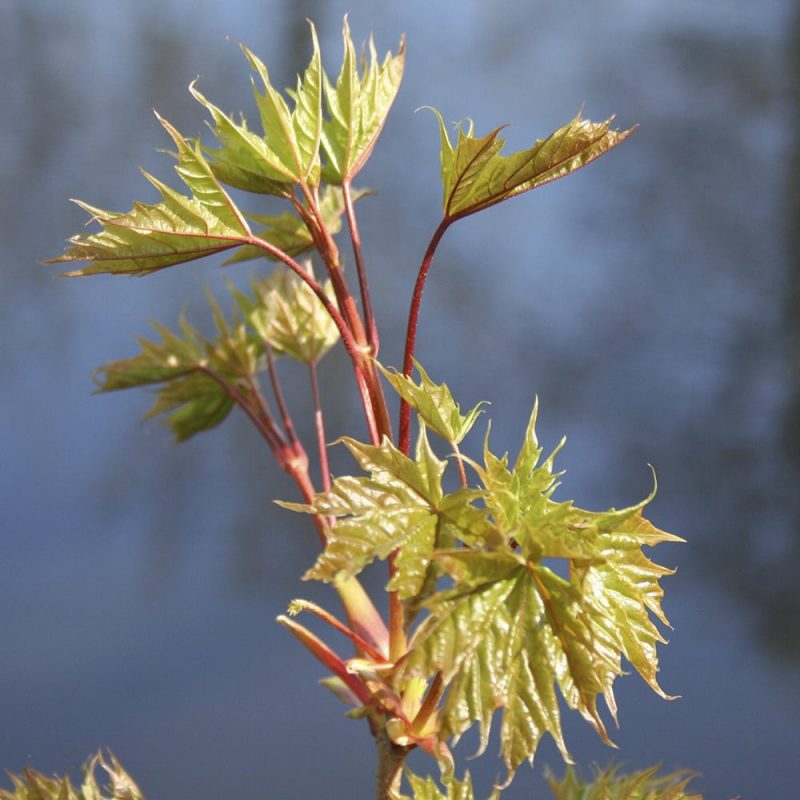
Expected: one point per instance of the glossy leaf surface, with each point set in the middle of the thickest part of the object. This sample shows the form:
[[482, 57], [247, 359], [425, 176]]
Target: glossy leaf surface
[[287, 152], [400, 505], [475, 175], [513, 631], [357, 107], [434, 403], [178, 229], [609, 784]]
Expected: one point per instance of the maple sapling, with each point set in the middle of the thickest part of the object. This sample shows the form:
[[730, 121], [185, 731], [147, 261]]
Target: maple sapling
[[480, 627]]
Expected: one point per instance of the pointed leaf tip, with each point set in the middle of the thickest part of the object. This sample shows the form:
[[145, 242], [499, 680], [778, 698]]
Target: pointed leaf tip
[[178, 229], [513, 633], [358, 104], [476, 176]]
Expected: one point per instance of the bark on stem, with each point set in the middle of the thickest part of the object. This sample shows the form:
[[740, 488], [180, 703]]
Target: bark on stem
[[391, 758]]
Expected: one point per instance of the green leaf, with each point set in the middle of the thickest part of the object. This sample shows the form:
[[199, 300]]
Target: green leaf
[[476, 176], [288, 152], [33, 785], [195, 373], [284, 311], [434, 403], [244, 160], [426, 789], [401, 505], [525, 491], [608, 784], [512, 633], [293, 136], [289, 233], [178, 229], [358, 106]]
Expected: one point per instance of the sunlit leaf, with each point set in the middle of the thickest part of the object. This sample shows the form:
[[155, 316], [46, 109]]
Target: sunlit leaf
[[358, 106], [178, 229], [243, 160], [194, 372], [609, 784], [401, 505], [475, 175], [33, 785], [514, 631], [434, 403], [288, 151], [427, 789], [287, 314]]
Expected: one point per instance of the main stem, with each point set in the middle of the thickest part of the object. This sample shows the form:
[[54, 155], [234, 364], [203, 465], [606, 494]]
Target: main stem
[[391, 758]]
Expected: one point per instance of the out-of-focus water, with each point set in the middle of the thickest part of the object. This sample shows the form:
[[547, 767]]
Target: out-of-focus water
[[650, 301]]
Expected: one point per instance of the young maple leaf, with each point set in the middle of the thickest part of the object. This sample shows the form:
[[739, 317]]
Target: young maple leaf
[[400, 507], [358, 105], [512, 633], [476, 176]]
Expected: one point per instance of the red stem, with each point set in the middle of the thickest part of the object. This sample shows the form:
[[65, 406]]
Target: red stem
[[262, 420], [353, 349], [361, 643], [278, 392], [347, 305], [366, 300], [411, 330], [328, 657]]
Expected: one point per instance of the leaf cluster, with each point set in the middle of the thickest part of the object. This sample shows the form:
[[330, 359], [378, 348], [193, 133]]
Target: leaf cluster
[[298, 145], [610, 784], [33, 785], [512, 631], [504, 603], [200, 378], [606, 784]]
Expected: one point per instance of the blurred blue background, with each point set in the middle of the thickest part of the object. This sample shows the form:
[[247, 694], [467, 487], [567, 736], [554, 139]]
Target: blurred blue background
[[651, 301]]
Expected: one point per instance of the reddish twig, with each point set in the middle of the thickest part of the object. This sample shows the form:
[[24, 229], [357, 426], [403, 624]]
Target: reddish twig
[[366, 300], [411, 331]]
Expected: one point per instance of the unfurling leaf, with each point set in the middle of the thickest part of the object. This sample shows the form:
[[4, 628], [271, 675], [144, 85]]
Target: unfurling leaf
[[512, 631], [196, 373], [178, 229], [358, 106], [285, 312], [476, 176], [288, 151], [608, 784], [434, 403], [34, 785], [401, 505]]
